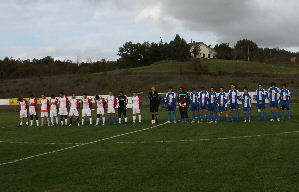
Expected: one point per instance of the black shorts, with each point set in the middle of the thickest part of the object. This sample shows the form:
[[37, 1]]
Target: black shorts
[[154, 108], [122, 110]]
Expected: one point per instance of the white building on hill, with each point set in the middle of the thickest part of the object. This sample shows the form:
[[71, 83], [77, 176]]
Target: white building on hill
[[205, 51]]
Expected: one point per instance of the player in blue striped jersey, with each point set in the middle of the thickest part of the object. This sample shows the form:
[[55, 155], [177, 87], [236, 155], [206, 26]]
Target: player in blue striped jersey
[[212, 106], [273, 96], [285, 96], [246, 102], [194, 106], [222, 104], [170, 100], [233, 97], [260, 97], [203, 104]]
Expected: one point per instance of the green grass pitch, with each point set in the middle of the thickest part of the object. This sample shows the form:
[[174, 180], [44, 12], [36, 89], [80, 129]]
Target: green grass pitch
[[260, 156]]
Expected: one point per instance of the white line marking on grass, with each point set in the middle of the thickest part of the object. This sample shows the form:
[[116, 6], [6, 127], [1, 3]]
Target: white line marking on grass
[[198, 140], [38, 143], [80, 145]]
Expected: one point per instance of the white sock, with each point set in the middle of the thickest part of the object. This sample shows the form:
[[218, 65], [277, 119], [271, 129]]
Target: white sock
[[52, 120], [37, 123], [119, 120], [82, 121], [134, 118], [61, 122], [56, 121], [126, 119], [48, 120], [27, 123], [98, 121], [90, 120], [21, 123], [103, 120], [31, 122], [43, 121], [139, 116], [65, 121]]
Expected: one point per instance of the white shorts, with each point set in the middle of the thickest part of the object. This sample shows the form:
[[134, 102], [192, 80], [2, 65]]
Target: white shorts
[[136, 110], [53, 113], [63, 111], [44, 114], [86, 112], [100, 111], [32, 111], [74, 112], [23, 114], [111, 110]]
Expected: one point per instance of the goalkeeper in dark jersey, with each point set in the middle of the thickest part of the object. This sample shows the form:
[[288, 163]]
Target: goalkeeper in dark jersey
[[122, 106]]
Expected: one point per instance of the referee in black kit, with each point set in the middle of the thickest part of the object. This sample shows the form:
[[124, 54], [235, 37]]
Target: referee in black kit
[[122, 106], [154, 104]]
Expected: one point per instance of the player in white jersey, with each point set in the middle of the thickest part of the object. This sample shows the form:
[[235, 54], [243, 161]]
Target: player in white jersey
[[74, 109], [53, 110], [136, 107], [32, 103], [63, 103], [112, 102], [86, 108], [100, 101], [23, 111], [44, 109]]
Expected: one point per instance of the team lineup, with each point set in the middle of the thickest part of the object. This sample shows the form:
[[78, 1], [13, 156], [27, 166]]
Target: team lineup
[[206, 106]]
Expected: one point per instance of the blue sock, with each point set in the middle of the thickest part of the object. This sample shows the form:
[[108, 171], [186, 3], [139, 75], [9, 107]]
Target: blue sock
[[198, 117], [174, 116], [216, 117], [207, 117], [169, 115], [193, 116], [202, 116], [114, 120], [237, 116], [265, 116], [259, 115], [277, 115], [282, 115], [227, 118], [249, 116], [232, 117], [289, 114], [211, 117], [272, 115], [109, 120], [219, 117], [245, 116]]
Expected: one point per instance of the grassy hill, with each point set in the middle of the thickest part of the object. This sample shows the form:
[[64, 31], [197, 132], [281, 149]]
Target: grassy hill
[[215, 66], [162, 74]]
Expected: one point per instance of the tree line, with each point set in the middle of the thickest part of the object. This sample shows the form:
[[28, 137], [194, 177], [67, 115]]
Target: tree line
[[140, 54]]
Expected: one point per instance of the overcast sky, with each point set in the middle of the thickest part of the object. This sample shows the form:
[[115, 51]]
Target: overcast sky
[[95, 29]]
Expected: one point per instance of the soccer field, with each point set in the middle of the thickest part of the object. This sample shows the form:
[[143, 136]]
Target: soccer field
[[260, 156]]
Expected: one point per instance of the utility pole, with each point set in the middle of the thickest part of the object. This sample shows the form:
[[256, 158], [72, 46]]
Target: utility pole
[[248, 53]]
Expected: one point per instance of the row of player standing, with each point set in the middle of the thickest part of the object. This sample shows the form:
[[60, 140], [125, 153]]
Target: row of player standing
[[211, 104], [67, 108]]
